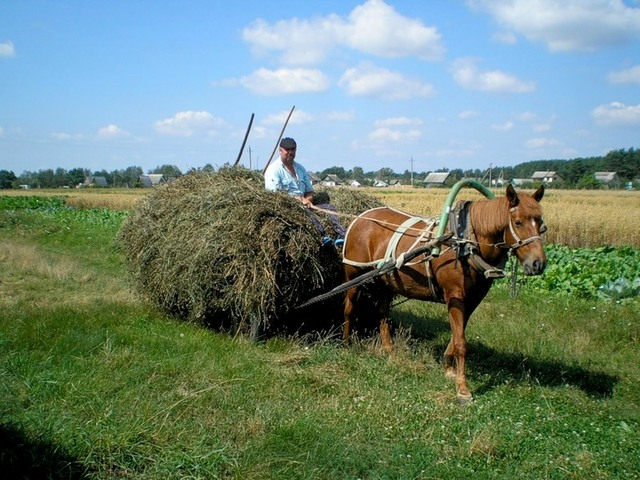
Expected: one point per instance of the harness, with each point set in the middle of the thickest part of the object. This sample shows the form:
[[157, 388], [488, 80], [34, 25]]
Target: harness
[[467, 244], [461, 238]]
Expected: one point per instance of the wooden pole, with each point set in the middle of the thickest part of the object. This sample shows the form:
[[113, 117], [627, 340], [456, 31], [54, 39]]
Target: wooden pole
[[246, 135], [278, 141]]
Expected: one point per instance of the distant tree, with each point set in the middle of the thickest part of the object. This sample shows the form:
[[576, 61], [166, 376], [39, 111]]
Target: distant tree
[[358, 174], [60, 178], [46, 178], [588, 182], [385, 174], [167, 171], [6, 179], [131, 176], [339, 171], [75, 176]]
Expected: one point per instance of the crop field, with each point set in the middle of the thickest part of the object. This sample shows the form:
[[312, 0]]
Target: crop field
[[95, 384], [576, 218]]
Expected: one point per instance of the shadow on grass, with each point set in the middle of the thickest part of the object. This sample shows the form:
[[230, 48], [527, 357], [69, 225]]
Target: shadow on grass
[[501, 367], [22, 458]]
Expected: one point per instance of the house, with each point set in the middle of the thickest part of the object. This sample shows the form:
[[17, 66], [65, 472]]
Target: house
[[546, 177], [436, 179], [380, 183], [608, 178], [152, 180], [332, 180], [355, 183], [314, 178], [91, 181]]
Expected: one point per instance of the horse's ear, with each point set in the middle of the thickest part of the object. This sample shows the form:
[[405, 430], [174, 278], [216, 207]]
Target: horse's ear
[[512, 196], [539, 193]]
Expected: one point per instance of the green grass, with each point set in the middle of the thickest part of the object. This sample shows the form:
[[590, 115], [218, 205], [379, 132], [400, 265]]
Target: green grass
[[94, 384]]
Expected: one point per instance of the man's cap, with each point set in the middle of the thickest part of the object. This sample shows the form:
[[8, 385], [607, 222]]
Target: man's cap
[[288, 142]]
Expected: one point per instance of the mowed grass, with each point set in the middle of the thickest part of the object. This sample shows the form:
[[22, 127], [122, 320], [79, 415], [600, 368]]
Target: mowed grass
[[96, 384]]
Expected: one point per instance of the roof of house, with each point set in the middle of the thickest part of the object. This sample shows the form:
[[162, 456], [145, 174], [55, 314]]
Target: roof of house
[[545, 174], [332, 177], [437, 177], [605, 176], [98, 181], [152, 179], [314, 178]]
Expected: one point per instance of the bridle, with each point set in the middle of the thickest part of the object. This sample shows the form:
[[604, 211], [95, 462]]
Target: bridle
[[518, 241]]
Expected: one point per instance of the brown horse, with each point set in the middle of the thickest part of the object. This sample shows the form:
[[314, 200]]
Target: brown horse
[[460, 277]]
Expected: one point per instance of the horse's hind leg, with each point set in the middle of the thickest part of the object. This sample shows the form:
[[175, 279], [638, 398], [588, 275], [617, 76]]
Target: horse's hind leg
[[349, 312], [386, 337]]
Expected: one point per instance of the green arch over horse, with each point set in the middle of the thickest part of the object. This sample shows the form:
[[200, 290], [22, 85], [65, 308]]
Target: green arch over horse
[[484, 232]]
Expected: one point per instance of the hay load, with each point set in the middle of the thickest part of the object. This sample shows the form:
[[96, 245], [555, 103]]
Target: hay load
[[219, 250]]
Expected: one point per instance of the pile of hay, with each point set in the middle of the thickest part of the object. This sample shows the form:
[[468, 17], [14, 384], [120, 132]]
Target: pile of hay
[[219, 250]]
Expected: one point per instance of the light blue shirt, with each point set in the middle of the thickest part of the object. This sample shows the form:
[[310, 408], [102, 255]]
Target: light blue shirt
[[278, 178]]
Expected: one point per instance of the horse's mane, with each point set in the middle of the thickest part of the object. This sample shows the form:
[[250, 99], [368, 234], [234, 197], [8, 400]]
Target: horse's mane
[[490, 217]]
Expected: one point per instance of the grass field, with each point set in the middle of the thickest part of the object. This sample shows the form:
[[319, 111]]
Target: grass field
[[97, 385]]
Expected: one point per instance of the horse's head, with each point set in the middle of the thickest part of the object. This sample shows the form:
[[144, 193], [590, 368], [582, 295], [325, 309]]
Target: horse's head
[[526, 225]]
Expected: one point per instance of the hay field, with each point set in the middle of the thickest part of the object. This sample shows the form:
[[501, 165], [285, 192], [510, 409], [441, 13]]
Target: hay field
[[576, 218]]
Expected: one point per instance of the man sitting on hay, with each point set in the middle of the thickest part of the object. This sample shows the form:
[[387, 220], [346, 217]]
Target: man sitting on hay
[[287, 175]]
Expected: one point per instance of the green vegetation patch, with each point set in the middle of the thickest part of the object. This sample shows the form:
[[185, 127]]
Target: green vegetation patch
[[607, 272]]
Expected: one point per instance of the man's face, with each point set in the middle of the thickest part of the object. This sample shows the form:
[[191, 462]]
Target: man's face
[[288, 153]]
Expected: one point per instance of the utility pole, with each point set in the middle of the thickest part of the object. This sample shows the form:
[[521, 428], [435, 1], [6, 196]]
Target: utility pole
[[412, 171], [249, 157]]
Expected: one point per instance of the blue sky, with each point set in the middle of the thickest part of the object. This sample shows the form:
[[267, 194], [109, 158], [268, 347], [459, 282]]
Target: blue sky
[[455, 84]]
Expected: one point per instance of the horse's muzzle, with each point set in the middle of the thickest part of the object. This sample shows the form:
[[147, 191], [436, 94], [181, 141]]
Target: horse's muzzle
[[535, 266]]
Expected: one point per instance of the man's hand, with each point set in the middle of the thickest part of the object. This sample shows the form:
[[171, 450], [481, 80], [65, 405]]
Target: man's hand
[[306, 201]]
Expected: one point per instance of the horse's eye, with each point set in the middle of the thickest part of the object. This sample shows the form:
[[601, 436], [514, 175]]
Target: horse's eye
[[518, 223]]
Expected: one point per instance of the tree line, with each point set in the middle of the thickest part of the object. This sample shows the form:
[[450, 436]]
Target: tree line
[[575, 173]]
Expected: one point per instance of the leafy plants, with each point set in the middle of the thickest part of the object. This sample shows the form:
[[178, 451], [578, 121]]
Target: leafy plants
[[605, 272]]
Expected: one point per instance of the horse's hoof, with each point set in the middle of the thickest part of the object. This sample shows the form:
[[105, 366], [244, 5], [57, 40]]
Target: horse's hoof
[[465, 399]]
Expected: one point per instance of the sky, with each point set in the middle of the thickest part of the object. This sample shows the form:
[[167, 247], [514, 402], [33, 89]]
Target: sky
[[410, 85]]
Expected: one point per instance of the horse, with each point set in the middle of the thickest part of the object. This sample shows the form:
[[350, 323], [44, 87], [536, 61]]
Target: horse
[[482, 234]]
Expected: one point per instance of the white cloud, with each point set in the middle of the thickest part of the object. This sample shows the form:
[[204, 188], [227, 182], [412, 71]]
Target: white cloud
[[337, 116], [370, 81], [7, 49], [542, 142], [466, 73], [373, 27], [385, 134], [188, 124], [111, 131], [397, 121], [617, 114], [285, 81], [506, 38], [377, 28], [467, 114], [508, 125], [567, 25], [298, 117], [541, 127], [630, 75]]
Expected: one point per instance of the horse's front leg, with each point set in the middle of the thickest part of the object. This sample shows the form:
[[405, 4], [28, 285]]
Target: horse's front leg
[[457, 349]]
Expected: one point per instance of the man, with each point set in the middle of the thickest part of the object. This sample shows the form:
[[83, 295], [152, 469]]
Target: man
[[287, 175]]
